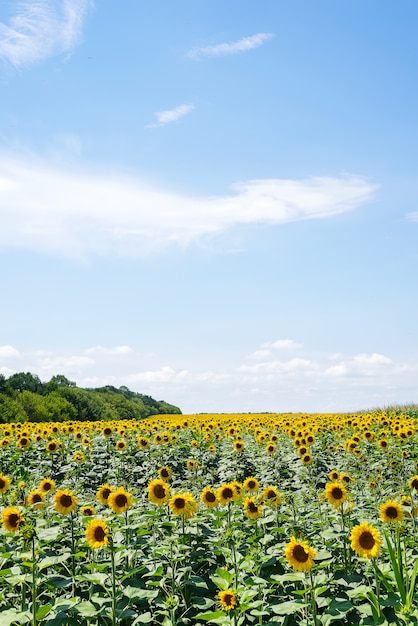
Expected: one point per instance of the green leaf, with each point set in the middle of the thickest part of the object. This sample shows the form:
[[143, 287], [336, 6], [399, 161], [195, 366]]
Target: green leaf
[[96, 578], [144, 618], [87, 609], [206, 617], [43, 611], [11, 616], [48, 561], [138, 593], [287, 608]]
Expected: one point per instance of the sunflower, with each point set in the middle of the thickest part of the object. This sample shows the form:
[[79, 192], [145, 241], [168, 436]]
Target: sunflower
[[158, 491], [239, 446], [46, 485], [191, 464], [226, 493], [251, 484], [384, 444], [212, 449], [270, 448], [78, 456], [306, 459], [107, 431], [271, 496], [65, 502], [97, 534], [252, 509], [36, 499], [183, 504], [23, 442], [5, 483], [120, 500], [208, 497], [87, 511], [334, 475], [365, 540], [391, 511], [299, 555], [345, 478], [143, 442], [335, 493], [164, 473], [413, 483], [103, 493], [121, 444], [12, 519], [228, 599], [52, 446]]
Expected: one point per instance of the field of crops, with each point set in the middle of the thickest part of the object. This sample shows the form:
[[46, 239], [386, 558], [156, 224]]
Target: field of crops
[[210, 519]]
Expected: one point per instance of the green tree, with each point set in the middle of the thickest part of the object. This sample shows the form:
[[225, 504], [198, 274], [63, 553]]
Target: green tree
[[11, 410]]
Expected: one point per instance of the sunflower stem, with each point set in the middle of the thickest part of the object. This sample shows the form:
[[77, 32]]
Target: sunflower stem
[[313, 600], [34, 621], [113, 574]]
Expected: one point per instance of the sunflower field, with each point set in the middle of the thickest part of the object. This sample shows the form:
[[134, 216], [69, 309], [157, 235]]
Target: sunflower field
[[210, 519]]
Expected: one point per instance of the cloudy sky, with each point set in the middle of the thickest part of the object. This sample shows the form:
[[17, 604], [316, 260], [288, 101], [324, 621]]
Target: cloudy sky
[[213, 203]]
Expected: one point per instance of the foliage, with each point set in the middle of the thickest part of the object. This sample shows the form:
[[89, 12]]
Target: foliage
[[23, 397], [104, 545]]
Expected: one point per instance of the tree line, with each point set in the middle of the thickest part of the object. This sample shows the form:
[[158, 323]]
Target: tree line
[[24, 397]]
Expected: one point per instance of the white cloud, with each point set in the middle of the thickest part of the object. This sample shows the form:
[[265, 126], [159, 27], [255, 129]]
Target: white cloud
[[8, 352], [77, 214], [117, 350], [171, 115], [38, 29], [307, 383], [282, 344], [163, 374], [235, 47], [64, 365], [372, 359]]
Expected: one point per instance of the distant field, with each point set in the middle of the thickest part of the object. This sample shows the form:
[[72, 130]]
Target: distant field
[[211, 519]]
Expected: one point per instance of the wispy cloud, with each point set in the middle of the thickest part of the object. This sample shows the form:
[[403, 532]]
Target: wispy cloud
[[78, 214], [235, 47], [171, 115], [38, 29]]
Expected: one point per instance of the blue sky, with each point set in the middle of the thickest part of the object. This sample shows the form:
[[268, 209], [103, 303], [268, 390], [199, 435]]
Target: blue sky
[[213, 203]]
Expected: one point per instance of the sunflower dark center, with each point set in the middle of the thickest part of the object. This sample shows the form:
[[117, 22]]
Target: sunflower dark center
[[14, 520], [165, 473], [414, 483], [337, 493], [99, 533], [251, 484], [228, 599], [46, 486], [52, 446], [366, 540], [252, 507], [180, 503], [159, 492], [210, 497], [23, 441], [121, 499], [105, 493], [2, 483], [227, 493], [300, 554], [66, 500], [36, 498], [392, 512], [270, 494]]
